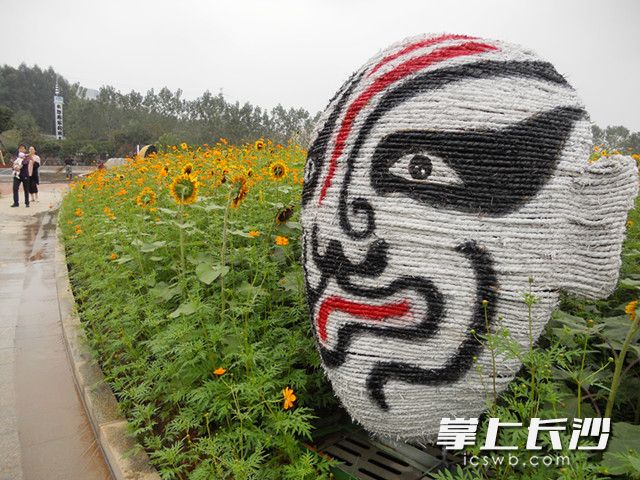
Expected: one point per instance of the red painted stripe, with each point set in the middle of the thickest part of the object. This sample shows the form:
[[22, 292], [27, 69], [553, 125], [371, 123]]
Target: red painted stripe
[[360, 310], [382, 82], [414, 46]]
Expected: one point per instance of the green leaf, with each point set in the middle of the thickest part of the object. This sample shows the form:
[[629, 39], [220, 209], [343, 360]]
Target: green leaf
[[153, 246], [185, 309], [164, 291], [168, 211], [123, 259], [623, 451], [629, 283], [207, 273], [239, 233]]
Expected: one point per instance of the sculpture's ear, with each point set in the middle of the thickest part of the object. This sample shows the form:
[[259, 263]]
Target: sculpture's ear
[[598, 200]]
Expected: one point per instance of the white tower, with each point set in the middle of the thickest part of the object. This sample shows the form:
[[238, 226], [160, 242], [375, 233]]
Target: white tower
[[57, 108]]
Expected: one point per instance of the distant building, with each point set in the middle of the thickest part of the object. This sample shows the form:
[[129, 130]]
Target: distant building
[[88, 93], [58, 102]]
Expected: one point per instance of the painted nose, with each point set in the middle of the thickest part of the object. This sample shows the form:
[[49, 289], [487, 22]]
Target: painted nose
[[357, 217]]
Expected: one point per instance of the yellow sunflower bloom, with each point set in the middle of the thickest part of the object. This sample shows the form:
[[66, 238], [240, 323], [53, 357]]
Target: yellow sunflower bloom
[[630, 310], [146, 198], [184, 189], [278, 170], [187, 169]]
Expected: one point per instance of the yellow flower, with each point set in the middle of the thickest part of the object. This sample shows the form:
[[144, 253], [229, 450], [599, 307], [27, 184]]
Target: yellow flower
[[254, 233], [184, 189], [282, 241], [184, 146], [113, 256], [187, 169], [277, 171], [121, 192], [630, 309], [146, 198], [78, 230], [218, 372], [289, 398], [79, 212], [629, 223], [259, 144]]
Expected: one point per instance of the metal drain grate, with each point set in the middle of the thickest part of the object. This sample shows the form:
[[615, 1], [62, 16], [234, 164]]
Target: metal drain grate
[[368, 459]]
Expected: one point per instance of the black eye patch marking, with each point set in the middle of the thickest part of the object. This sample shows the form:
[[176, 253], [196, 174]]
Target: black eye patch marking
[[497, 171]]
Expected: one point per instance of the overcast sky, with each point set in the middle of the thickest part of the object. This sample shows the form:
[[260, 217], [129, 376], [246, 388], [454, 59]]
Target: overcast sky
[[298, 52]]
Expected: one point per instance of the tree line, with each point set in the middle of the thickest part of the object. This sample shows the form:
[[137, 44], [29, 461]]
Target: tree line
[[114, 123]]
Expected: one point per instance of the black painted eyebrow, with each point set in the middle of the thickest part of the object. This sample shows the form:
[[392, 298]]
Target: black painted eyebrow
[[501, 170]]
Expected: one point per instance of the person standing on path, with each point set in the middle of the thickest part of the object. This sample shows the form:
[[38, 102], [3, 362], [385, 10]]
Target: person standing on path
[[34, 176], [21, 176], [68, 162]]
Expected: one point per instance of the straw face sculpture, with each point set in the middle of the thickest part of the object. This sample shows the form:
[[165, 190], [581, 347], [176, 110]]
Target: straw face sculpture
[[444, 176]]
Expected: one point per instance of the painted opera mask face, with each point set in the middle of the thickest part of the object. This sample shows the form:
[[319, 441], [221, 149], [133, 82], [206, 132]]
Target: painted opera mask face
[[446, 175]]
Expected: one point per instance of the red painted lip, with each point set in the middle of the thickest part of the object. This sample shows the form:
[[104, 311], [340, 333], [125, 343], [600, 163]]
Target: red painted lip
[[375, 313]]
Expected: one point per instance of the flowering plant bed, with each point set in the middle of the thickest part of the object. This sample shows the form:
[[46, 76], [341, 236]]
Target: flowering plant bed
[[185, 267]]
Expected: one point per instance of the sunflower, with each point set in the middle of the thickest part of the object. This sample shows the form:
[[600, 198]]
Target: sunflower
[[242, 191], [630, 310], [146, 198], [277, 171], [184, 189], [259, 145], [187, 169], [284, 215]]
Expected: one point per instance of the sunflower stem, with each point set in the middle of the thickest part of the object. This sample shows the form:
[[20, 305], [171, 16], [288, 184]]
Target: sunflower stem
[[619, 362], [182, 262], [223, 252]]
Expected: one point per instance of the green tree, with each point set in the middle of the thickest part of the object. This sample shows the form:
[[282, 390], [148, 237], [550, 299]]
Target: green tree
[[6, 115], [26, 126]]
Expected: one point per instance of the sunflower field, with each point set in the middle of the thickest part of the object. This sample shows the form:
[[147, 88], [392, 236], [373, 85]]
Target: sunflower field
[[185, 266]]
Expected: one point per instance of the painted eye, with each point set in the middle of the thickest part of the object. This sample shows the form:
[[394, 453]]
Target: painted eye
[[425, 169], [420, 167]]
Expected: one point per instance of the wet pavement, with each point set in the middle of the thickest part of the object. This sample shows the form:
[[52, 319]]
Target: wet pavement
[[44, 431]]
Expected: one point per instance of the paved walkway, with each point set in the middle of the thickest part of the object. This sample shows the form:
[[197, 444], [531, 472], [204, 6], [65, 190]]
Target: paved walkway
[[44, 431]]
